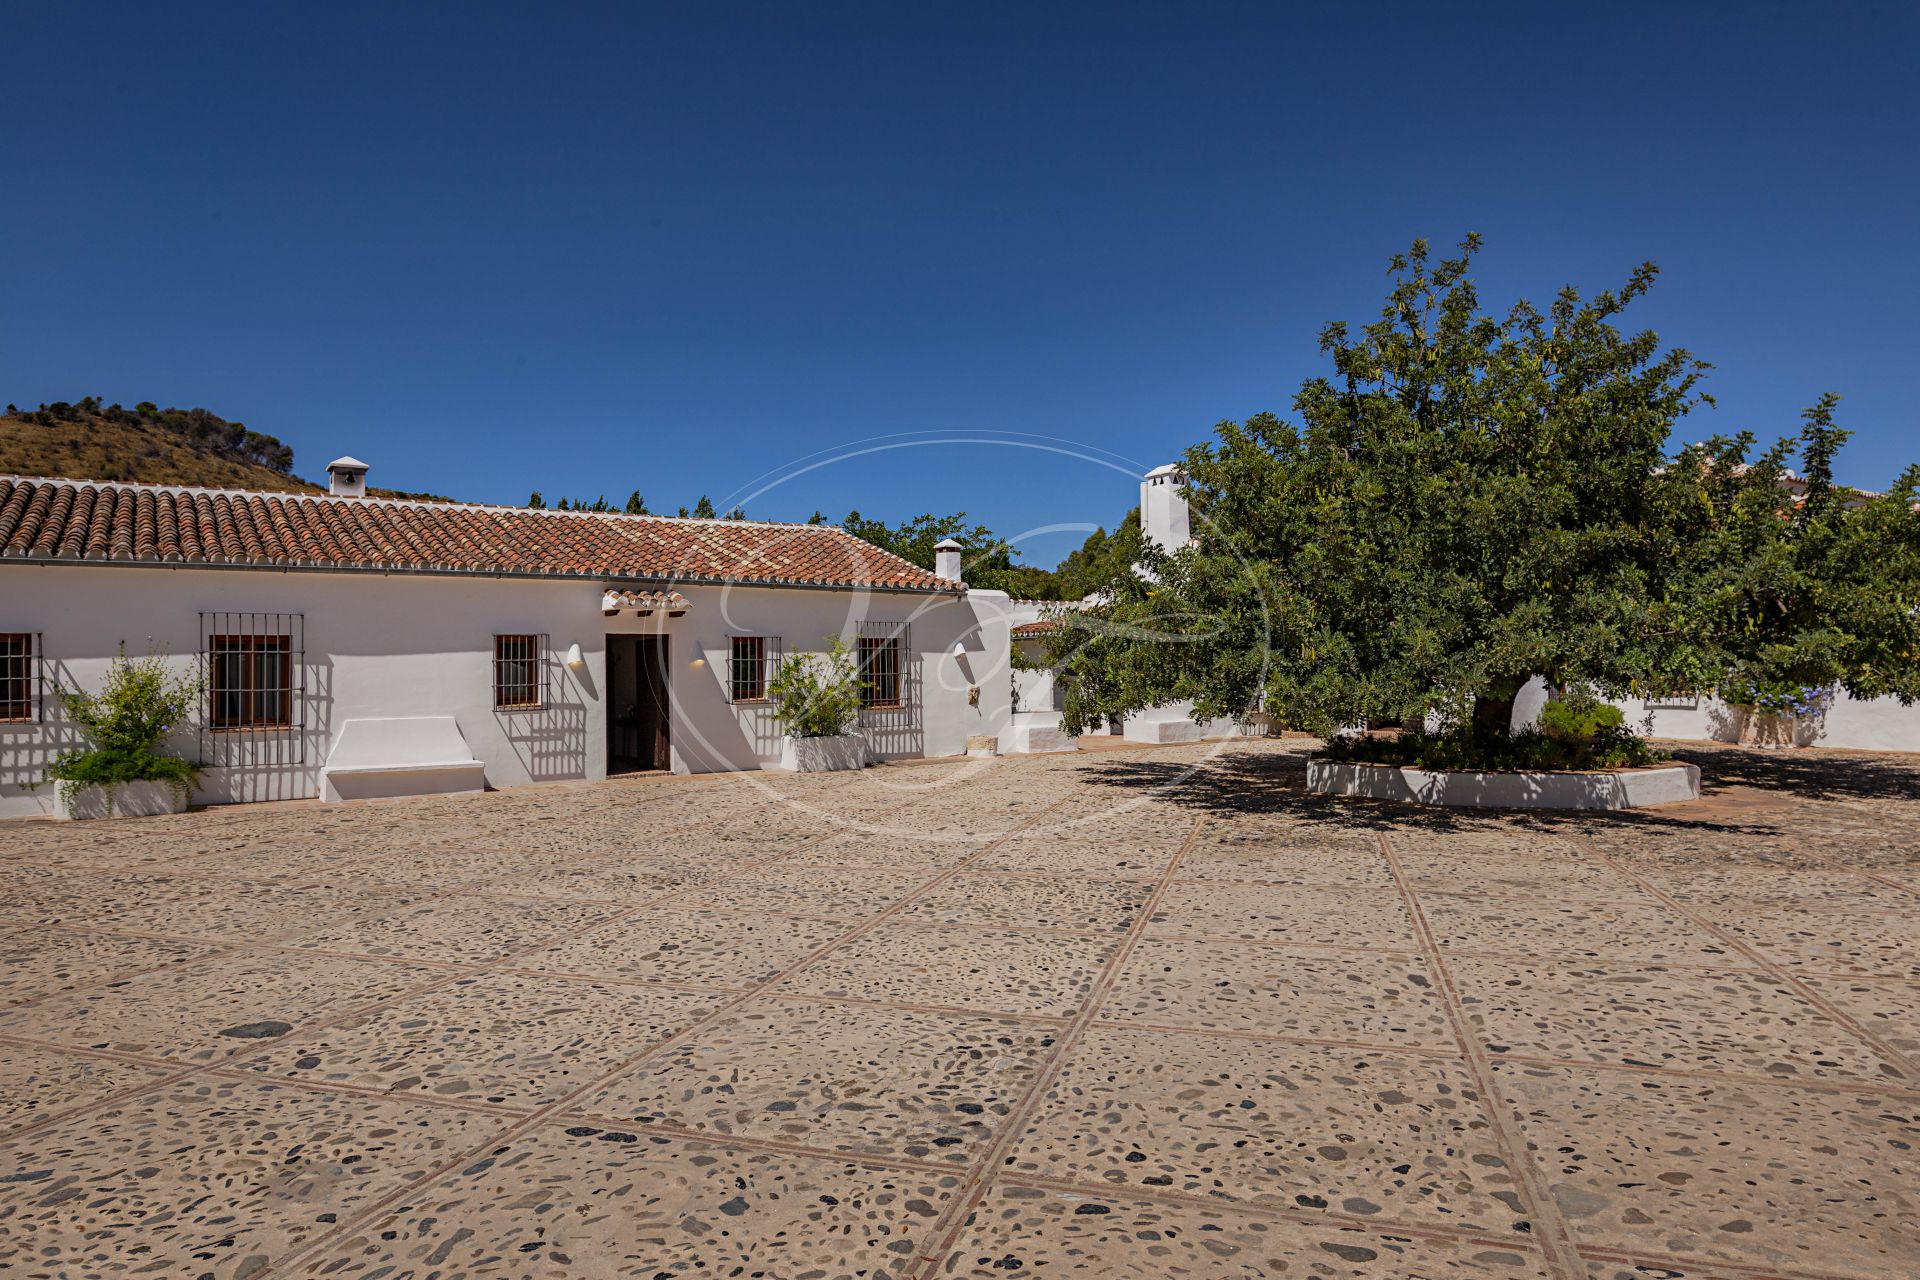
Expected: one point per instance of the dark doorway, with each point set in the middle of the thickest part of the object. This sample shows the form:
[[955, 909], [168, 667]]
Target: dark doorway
[[638, 735]]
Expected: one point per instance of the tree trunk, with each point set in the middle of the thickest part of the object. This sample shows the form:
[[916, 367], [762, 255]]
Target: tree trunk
[[1493, 710]]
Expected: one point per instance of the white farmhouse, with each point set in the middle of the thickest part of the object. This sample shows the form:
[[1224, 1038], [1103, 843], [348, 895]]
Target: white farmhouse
[[544, 645]]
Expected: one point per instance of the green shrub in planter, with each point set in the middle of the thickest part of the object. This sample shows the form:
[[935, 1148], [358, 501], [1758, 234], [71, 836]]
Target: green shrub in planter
[[142, 701], [1575, 732], [817, 695], [1575, 720]]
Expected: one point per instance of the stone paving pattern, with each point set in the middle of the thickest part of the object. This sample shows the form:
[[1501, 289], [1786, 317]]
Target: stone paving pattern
[[1130, 1013]]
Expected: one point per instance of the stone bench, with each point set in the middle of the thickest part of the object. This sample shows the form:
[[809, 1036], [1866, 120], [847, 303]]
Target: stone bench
[[402, 756]]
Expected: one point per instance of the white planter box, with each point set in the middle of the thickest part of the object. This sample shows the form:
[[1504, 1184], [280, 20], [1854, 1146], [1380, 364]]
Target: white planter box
[[130, 800], [1756, 728], [1604, 789], [822, 755]]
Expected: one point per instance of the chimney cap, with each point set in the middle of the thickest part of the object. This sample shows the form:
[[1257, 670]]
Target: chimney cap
[[347, 462], [948, 544]]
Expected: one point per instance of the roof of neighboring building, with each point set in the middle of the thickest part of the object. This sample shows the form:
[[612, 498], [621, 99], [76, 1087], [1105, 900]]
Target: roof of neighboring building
[[1043, 627], [87, 521]]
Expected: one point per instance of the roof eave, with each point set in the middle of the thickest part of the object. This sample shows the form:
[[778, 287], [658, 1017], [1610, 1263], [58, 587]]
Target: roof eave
[[437, 571]]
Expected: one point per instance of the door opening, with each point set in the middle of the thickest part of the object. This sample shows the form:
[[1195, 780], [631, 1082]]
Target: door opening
[[638, 726]]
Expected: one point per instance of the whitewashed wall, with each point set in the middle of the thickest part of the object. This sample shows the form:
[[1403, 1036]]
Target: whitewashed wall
[[1876, 724], [410, 644]]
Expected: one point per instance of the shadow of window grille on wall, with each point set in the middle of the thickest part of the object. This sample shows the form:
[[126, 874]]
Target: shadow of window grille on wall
[[255, 708], [753, 663], [1688, 702], [890, 689], [539, 713]]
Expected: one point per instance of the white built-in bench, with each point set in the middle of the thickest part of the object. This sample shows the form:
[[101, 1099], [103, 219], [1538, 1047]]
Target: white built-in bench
[[403, 756]]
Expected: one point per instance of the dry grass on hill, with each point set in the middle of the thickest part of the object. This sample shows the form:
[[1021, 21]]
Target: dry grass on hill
[[83, 442], [93, 447]]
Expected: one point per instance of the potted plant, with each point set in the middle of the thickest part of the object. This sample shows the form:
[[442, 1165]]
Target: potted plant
[[817, 700], [1777, 713], [124, 768]]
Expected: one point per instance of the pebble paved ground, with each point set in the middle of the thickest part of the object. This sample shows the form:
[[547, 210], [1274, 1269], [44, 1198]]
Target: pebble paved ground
[[1127, 1013]]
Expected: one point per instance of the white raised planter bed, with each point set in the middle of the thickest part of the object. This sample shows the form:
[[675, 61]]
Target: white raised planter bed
[[1034, 732], [1601, 789], [130, 800], [823, 755]]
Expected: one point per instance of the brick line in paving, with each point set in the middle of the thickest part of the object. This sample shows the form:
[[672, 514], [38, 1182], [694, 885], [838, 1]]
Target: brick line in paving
[[1389, 1227], [944, 1234], [1375, 1224], [1556, 1239], [382, 1203], [1773, 970], [715, 1138], [626, 907], [1675, 1264], [459, 971], [1869, 873]]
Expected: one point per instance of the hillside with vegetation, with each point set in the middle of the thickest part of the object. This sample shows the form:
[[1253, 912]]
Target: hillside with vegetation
[[87, 440]]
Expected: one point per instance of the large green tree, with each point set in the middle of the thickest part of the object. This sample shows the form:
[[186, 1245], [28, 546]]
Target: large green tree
[[1790, 582], [1465, 501]]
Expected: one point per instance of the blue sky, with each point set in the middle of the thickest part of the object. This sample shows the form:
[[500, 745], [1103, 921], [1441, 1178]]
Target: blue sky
[[588, 249]]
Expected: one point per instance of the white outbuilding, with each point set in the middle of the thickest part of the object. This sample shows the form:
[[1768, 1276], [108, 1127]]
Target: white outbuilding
[[518, 645]]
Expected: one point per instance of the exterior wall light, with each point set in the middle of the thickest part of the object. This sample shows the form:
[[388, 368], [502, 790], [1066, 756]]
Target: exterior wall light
[[575, 658]]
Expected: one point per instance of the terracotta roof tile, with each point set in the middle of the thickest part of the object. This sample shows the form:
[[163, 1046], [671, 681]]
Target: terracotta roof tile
[[42, 519]]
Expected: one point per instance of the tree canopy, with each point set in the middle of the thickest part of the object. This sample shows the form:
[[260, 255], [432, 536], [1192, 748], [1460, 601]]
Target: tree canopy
[[987, 561], [1467, 500], [1792, 582]]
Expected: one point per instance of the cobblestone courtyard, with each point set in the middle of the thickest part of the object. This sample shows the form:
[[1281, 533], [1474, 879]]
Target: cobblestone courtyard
[[1127, 1013]]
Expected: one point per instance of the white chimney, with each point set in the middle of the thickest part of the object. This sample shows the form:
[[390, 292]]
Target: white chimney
[[946, 559], [1163, 508], [347, 478]]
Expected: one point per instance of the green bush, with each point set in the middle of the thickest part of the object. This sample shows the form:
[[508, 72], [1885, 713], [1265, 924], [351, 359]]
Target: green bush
[[142, 701], [1592, 738], [817, 695], [1575, 720]]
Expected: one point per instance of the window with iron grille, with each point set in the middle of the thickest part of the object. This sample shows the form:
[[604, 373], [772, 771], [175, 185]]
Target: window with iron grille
[[751, 664], [519, 668], [1675, 702], [19, 677], [250, 681], [878, 660]]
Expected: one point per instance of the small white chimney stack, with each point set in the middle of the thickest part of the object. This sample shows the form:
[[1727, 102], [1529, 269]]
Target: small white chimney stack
[[1164, 519], [946, 559], [347, 478]]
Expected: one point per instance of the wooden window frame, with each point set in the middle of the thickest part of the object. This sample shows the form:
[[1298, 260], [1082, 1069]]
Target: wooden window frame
[[750, 675], [260, 705], [22, 686], [866, 647], [528, 668]]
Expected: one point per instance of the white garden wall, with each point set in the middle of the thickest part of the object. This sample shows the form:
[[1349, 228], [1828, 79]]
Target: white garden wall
[[415, 644], [1876, 724]]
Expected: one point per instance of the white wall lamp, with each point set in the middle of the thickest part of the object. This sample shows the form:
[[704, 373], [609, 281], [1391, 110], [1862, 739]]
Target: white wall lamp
[[575, 659]]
